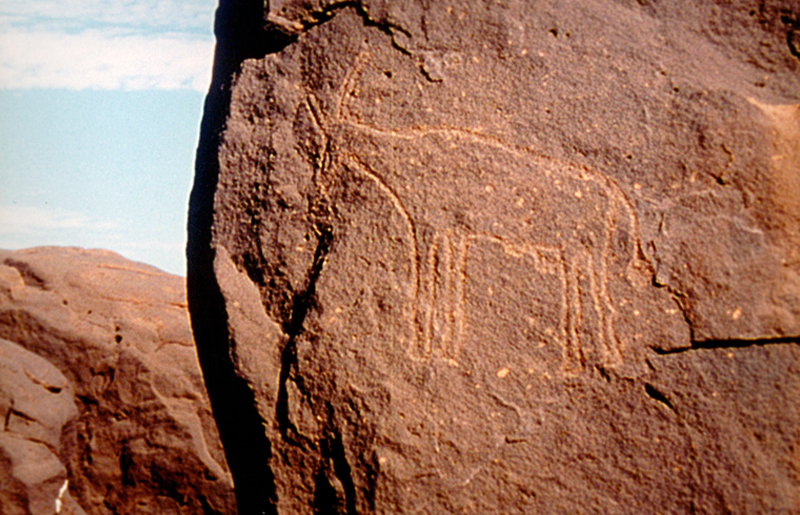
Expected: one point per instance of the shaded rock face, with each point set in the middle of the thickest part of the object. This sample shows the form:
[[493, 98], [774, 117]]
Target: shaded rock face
[[38, 409], [506, 257], [140, 436]]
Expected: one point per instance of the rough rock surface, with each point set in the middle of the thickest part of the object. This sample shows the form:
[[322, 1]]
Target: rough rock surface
[[502, 257], [144, 440], [38, 408]]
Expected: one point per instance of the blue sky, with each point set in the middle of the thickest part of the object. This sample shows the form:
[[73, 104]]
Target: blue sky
[[100, 105]]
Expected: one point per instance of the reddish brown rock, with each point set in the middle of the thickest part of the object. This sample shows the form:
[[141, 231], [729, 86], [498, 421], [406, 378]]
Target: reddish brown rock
[[502, 257], [37, 407], [145, 440]]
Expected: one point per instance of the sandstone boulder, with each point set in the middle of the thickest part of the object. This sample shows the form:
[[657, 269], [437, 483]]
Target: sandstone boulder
[[502, 257], [37, 406], [144, 440]]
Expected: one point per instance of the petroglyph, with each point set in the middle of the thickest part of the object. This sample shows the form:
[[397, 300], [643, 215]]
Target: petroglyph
[[437, 297], [566, 223]]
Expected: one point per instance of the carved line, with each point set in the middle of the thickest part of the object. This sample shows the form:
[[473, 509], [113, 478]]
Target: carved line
[[433, 285], [361, 60], [421, 131], [542, 266], [564, 315], [458, 312], [573, 357], [428, 296], [608, 184], [445, 285], [412, 229], [312, 104], [612, 346], [450, 307], [340, 117], [598, 284], [588, 262]]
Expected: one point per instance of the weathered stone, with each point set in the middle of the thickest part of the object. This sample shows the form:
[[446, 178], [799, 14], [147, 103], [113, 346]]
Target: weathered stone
[[37, 407], [145, 439], [506, 257]]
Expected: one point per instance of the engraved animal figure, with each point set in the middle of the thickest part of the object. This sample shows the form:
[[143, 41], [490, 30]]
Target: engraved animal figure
[[464, 195]]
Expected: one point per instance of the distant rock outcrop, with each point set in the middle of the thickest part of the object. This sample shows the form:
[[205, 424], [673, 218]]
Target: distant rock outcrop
[[38, 408], [503, 256], [139, 436]]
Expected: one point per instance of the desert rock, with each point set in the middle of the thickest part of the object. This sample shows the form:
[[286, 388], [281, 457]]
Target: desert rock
[[37, 406], [144, 439], [506, 257]]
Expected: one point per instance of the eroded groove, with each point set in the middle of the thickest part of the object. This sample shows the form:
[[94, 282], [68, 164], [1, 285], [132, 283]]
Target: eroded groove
[[730, 344], [293, 29], [792, 34], [7, 420], [29, 277], [342, 470], [320, 17], [302, 304], [656, 395], [240, 36], [327, 500], [247, 449]]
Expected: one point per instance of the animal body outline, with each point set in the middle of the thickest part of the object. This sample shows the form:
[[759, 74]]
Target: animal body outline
[[440, 256]]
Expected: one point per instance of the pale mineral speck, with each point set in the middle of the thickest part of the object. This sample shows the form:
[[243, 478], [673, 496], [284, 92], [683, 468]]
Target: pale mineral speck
[[61, 493]]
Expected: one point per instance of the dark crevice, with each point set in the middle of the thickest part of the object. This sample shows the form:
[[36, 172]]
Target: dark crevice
[[326, 498], [320, 17], [243, 31], [793, 41], [240, 33], [341, 468], [126, 466], [86, 400], [334, 469], [241, 428], [658, 396], [23, 416], [604, 372], [792, 35], [679, 298], [7, 420], [302, 303], [292, 29], [304, 300], [429, 76], [29, 277], [371, 490], [730, 344]]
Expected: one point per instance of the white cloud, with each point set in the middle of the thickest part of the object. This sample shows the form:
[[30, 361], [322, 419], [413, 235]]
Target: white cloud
[[104, 59], [28, 219], [104, 44], [174, 14]]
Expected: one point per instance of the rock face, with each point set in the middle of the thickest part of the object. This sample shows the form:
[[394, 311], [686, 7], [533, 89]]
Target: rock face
[[502, 257], [38, 409], [138, 436]]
